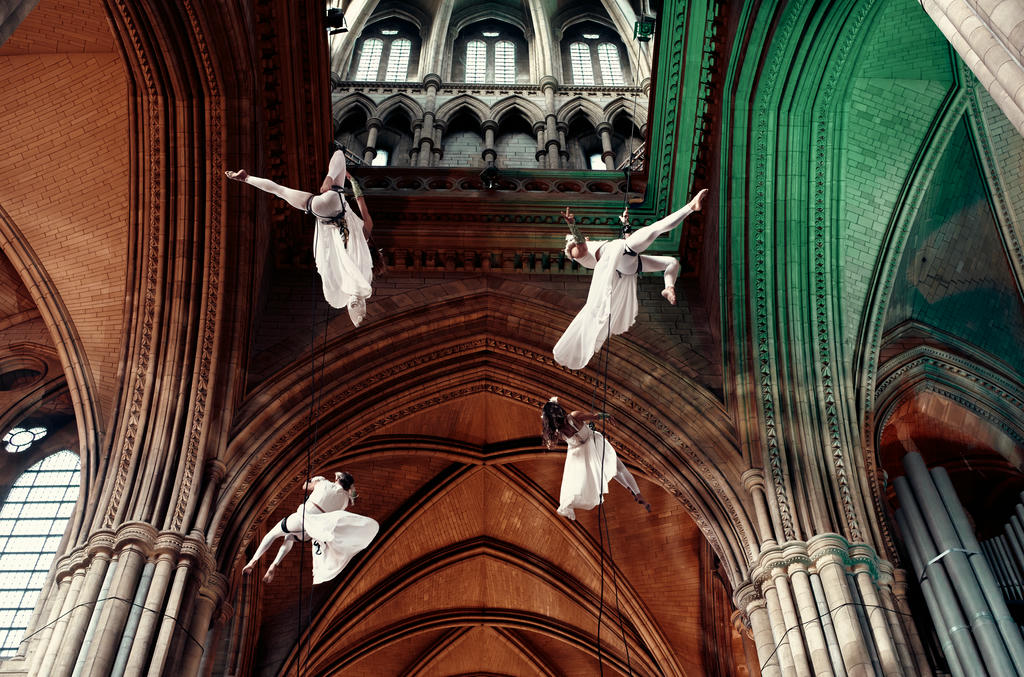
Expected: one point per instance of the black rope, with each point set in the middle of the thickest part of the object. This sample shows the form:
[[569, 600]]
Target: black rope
[[131, 602], [828, 613], [601, 511]]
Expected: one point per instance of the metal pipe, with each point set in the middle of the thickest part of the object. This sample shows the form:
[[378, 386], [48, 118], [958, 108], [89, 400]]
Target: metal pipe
[[954, 560], [934, 578], [1013, 647]]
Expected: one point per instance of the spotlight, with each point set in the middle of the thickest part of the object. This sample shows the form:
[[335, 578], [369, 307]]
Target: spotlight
[[335, 21], [644, 28], [489, 176]]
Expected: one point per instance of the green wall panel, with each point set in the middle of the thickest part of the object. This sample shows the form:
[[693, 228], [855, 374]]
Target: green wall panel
[[900, 83], [954, 273]]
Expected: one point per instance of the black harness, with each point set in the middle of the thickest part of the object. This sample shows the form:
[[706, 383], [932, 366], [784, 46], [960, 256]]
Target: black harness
[[624, 230], [337, 220]]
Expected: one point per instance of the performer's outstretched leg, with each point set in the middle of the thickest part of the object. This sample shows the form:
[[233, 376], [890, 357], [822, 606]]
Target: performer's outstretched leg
[[625, 478], [296, 198], [644, 237], [294, 524], [285, 548], [670, 265]]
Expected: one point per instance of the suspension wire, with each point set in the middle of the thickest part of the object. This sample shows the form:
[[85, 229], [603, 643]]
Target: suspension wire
[[828, 613], [602, 513]]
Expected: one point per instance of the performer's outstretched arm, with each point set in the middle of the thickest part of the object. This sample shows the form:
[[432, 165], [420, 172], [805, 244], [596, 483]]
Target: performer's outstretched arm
[[364, 211]]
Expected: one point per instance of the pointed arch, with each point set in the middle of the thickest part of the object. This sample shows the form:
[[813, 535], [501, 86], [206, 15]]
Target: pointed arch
[[464, 103], [531, 111], [344, 106], [396, 102], [581, 105]]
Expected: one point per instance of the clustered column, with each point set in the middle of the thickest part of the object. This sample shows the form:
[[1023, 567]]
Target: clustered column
[[972, 621], [978, 32], [427, 140], [129, 602], [826, 607]]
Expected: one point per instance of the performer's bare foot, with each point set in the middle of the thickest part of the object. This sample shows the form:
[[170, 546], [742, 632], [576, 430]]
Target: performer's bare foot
[[240, 175], [269, 576], [698, 200], [247, 569], [670, 294], [640, 499]]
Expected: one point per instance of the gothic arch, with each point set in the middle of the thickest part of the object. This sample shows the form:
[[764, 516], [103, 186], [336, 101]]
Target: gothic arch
[[581, 105], [510, 104], [694, 462], [342, 108], [399, 102], [634, 111], [464, 103]]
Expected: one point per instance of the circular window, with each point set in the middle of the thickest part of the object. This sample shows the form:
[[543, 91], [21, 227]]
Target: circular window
[[20, 439]]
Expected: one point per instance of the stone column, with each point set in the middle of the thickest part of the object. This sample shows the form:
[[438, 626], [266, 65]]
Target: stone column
[[370, 151], [167, 548], [45, 652], [99, 549], [209, 598], [753, 482], [134, 542], [489, 154], [807, 607], [552, 145], [55, 604], [542, 150], [888, 657], [828, 552], [756, 609], [905, 618], [191, 566], [990, 44], [431, 85], [607, 154]]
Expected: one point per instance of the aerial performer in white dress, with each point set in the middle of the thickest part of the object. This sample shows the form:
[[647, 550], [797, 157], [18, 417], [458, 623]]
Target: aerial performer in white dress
[[343, 257], [612, 297], [337, 534], [590, 463]]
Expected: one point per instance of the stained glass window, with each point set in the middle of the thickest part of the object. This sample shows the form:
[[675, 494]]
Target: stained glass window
[[582, 70], [476, 61], [369, 59], [505, 61], [32, 523], [20, 439], [398, 61]]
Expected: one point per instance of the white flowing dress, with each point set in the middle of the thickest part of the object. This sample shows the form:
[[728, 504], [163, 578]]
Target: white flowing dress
[[584, 481], [611, 299], [346, 271], [337, 534]]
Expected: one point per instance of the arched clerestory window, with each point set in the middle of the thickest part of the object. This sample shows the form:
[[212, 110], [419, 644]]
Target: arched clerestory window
[[33, 517], [387, 51], [490, 52], [594, 55]]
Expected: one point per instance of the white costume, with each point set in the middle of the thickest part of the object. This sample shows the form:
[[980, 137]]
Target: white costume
[[344, 263], [611, 299], [345, 269], [338, 535], [585, 479]]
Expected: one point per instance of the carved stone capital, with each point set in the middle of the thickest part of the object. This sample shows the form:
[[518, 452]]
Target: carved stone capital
[[215, 470], [753, 478], [136, 533], [549, 81], [101, 543], [432, 80], [168, 544]]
